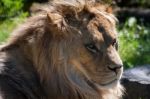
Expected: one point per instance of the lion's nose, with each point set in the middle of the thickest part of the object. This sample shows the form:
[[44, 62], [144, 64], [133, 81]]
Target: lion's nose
[[115, 69]]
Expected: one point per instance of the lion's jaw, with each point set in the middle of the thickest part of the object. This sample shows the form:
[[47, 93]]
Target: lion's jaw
[[111, 83]]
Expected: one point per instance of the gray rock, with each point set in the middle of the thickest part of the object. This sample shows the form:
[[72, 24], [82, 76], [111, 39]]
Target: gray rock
[[137, 82]]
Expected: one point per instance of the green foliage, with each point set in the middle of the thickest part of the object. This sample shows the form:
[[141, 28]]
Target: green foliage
[[9, 8], [134, 43], [8, 25], [11, 13]]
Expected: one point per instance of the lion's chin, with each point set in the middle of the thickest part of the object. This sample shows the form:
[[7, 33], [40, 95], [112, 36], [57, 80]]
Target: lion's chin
[[108, 85]]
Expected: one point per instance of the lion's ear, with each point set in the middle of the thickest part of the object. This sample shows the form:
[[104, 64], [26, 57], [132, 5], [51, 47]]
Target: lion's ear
[[54, 18], [109, 9], [57, 24]]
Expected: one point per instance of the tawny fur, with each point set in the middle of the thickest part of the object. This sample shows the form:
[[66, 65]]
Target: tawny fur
[[47, 54]]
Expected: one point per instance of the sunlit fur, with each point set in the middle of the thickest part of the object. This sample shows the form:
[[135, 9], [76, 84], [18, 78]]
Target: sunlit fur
[[54, 42]]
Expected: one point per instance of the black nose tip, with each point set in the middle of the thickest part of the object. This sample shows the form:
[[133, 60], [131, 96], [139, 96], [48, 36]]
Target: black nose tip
[[115, 69]]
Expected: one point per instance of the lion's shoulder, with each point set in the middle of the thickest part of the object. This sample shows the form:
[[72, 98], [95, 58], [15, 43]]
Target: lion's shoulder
[[16, 81]]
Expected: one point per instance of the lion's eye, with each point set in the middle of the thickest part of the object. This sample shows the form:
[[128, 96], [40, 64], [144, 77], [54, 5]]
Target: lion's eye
[[92, 48], [115, 44], [114, 41]]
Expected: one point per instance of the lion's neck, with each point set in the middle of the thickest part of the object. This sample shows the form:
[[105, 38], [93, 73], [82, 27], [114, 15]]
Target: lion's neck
[[67, 85], [60, 84], [75, 87]]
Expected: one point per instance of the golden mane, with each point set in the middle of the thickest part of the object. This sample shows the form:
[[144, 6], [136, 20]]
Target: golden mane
[[46, 39]]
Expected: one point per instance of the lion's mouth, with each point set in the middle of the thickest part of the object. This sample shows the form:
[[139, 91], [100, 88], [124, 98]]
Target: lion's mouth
[[109, 83], [98, 86]]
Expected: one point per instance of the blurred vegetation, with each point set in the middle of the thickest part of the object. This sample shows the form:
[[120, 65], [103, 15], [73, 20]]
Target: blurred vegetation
[[7, 26], [134, 41], [11, 14], [134, 37], [10, 8]]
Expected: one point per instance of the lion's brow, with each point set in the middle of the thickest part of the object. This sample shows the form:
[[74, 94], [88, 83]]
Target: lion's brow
[[105, 34]]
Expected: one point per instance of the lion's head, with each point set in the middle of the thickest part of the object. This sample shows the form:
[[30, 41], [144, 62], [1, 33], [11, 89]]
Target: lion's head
[[73, 45]]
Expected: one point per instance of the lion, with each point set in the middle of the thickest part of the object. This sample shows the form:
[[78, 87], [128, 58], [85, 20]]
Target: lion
[[67, 50]]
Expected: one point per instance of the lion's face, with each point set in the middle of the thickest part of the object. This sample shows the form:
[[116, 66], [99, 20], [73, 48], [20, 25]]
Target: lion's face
[[94, 51], [87, 45]]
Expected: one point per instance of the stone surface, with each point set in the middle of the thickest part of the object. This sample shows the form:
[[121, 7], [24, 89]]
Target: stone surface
[[137, 82]]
